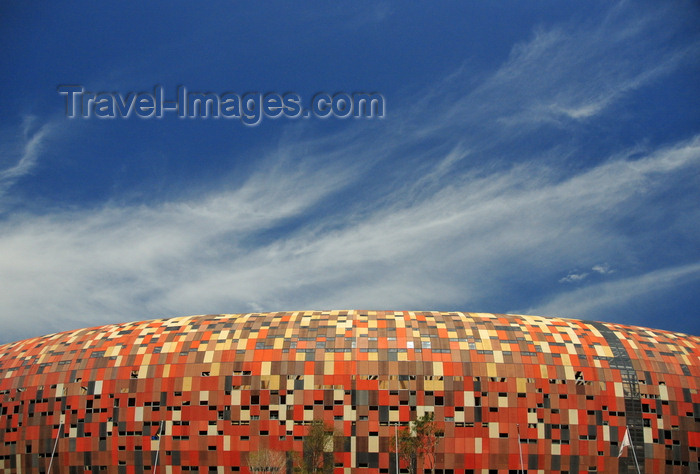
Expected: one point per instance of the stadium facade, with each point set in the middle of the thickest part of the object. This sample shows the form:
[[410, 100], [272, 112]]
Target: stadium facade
[[198, 394]]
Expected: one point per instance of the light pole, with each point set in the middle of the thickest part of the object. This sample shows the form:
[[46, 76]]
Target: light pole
[[58, 434], [397, 447], [158, 434], [520, 448]]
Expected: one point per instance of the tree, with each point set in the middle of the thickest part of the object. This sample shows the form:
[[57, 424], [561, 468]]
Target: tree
[[407, 446], [266, 461], [428, 434], [318, 449], [420, 439]]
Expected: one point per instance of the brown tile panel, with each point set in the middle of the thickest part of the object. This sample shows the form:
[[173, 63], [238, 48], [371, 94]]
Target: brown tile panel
[[225, 385]]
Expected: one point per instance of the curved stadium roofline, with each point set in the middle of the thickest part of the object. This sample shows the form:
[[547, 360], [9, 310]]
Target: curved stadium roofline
[[200, 393]]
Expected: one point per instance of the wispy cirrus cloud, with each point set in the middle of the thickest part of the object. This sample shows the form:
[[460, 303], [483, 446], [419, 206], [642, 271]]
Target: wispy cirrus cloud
[[411, 215], [456, 246], [603, 269], [609, 297], [20, 153], [573, 277], [577, 276], [562, 75]]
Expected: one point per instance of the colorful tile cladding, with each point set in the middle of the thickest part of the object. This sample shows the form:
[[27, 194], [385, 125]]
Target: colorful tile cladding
[[512, 393]]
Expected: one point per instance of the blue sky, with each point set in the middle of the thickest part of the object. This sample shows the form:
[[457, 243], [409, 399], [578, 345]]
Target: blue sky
[[535, 158]]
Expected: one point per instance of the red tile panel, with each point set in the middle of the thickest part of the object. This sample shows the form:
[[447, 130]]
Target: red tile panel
[[560, 391]]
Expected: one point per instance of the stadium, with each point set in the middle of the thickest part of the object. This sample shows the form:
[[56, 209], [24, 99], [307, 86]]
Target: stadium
[[507, 393]]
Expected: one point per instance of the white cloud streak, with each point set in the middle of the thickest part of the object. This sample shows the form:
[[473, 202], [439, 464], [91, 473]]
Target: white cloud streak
[[573, 277], [562, 75], [22, 153], [445, 237], [591, 301], [455, 245], [603, 269]]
